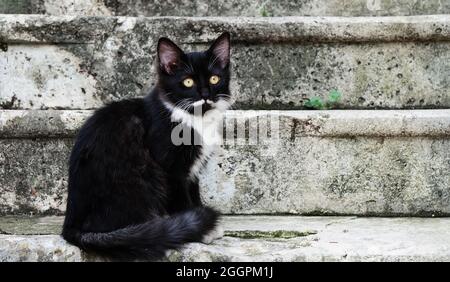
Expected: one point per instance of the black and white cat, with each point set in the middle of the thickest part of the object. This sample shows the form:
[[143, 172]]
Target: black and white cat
[[133, 191]]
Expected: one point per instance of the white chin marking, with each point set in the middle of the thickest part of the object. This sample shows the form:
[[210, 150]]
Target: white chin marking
[[222, 105], [198, 103], [206, 125]]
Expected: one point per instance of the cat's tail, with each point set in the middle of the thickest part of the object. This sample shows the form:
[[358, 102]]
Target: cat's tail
[[151, 239]]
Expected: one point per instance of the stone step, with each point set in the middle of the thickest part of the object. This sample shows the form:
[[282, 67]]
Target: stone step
[[260, 238], [201, 8], [73, 62], [339, 162]]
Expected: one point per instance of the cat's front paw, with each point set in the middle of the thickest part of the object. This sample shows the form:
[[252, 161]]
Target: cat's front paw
[[214, 234]]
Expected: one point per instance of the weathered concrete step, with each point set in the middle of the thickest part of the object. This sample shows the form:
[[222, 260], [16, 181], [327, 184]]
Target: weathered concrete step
[[324, 162], [201, 8], [261, 238], [279, 63]]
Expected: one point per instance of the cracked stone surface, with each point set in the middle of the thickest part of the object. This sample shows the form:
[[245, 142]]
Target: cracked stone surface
[[73, 62], [201, 8], [324, 162], [335, 239]]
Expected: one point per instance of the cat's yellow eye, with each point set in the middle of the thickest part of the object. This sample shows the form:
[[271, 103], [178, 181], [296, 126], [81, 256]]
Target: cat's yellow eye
[[214, 79], [188, 82]]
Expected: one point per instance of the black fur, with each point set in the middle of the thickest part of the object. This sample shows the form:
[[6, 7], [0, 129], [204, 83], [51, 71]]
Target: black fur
[[129, 195]]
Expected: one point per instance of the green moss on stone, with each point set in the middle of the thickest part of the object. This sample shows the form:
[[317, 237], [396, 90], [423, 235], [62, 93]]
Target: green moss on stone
[[280, 234]]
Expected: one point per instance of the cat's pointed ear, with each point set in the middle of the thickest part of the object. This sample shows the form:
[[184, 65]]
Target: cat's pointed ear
[[220, 49], [169, 55]]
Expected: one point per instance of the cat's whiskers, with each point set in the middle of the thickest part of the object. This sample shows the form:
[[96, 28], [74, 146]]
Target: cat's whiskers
[[228, 99], [223, 95], [184, 104], [181, 105], [163, 111]]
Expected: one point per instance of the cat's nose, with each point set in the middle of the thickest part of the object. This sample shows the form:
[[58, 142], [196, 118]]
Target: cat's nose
[[205, 93]]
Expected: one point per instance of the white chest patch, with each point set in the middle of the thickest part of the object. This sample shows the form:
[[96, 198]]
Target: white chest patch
[[207, 128]]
